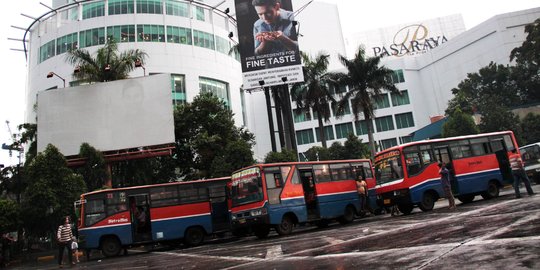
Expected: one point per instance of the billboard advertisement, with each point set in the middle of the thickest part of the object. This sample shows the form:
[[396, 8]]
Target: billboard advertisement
[[268, 43], [109, 116]]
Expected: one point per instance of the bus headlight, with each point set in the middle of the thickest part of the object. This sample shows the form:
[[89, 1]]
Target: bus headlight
[[257, 212], [233, 217]]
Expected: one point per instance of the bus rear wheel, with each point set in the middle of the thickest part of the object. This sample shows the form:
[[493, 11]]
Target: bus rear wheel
[[110, 247], [348, 215], [428, 202], [194, 236], [405, 208], [286, 226], [466, 198], [261, 231], [492, 191]]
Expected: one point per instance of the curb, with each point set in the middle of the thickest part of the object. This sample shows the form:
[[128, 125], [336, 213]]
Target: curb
[[45, 258]]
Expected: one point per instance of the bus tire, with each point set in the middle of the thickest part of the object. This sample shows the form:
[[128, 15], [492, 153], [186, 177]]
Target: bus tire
[[348, 215], [428, 201], [466, 198], [194, 236], [286, 226], [261, 231], [110, 246], [492, 191], [405, 208]]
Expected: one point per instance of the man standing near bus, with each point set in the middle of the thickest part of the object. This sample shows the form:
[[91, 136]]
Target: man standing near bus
[[447, 187], [361, 188], [518, 172]]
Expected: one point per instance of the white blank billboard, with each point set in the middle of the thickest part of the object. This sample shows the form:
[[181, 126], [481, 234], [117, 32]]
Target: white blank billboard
[[109, 116]]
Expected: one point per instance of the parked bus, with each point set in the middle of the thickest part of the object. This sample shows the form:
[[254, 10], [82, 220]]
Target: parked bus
[[113, 219], [408, 175], [281, 195], [531, 157]]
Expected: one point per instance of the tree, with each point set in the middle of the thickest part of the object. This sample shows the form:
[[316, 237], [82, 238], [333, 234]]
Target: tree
[[94, 170], [355, 148], [285, 155], [9, 216], [314, 92], [366, 80], [108, 64], [317, 153], [500, 118], [207, 141], [459, 123], [530, 126], [50, 194], [527, 71], [29, 137]]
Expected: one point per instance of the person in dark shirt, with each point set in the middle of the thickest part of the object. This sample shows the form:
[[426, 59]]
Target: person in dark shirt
[[447, 187]]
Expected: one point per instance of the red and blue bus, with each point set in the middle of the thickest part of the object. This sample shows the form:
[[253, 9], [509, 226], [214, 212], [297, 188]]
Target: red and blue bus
[[113, 219], [407, 175], [281, 195]]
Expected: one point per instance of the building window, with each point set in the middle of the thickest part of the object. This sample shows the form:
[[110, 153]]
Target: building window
[[316, 115], [175, 8], [243, 103], [120, 7], [382, 101], [405, 139], [93, 10], [385, 144], [404, 120], [178, 83], [398, 100], [361, 127], [199, 13], [178, 35], [346, 109], [397, 76], [203, 39], [66, 43], [47, 51], [328, 133], [304, 136], [222, 45], [122, 33], [343, 130], [92, 37], [218, 88], [150, 6], [384, 123], [301, 115], [150, 33]]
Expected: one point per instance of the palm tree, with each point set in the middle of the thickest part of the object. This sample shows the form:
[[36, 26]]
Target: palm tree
[[108, 64], [314, 92], [366, 80]]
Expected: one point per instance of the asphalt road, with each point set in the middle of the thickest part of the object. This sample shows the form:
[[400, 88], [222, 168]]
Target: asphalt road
[[501, 233]]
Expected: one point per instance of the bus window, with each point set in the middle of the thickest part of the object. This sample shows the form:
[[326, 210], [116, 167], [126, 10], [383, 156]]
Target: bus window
[[322, 173], [94, 212], [274, 177], [192, 193], [388, 168], [496, 145], [479, 146], [164, 196], [246, 187], [367, 170], [295, 179], [341, 172], [509, 143], [414, 165]]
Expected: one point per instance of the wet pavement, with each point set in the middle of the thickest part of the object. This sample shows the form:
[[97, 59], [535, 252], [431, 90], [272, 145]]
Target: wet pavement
[[486, 234]]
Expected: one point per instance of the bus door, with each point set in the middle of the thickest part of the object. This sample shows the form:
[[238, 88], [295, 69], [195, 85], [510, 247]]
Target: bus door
[[141, 226], [499, 148], [442, 154], [310, 194], [218, 204]]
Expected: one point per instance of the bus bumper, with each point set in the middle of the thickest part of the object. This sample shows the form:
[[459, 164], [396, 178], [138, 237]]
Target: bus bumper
[[242, 221], [400, 196]]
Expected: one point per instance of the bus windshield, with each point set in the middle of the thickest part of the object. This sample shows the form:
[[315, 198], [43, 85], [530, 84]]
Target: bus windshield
[[246, 187], [531, 154], [388, 167]]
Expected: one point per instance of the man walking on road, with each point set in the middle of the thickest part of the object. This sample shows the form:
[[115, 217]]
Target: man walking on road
[[518, 172]]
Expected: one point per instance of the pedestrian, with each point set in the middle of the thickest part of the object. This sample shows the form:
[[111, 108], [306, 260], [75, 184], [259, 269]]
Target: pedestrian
[[6, 249], [395, 210], [64, 236], [75, 248], [361, 188], [447, 187], [518, 173]]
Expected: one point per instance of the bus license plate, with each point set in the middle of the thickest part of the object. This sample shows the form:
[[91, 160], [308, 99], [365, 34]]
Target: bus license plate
[[242, 220], [386, 201]]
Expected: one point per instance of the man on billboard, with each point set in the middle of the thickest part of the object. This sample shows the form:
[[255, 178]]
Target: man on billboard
[[274, 30]]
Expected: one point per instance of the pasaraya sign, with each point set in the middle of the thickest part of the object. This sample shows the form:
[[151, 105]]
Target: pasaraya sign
[[268, 43], [410, 40]]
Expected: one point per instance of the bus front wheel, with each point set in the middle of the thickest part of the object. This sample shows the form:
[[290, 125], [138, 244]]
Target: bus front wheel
[[110, 247], [405, 208], [348, 215], [194, 236], [261, 231], [492, 191], [466, 198], [428, 202], [286, 226]]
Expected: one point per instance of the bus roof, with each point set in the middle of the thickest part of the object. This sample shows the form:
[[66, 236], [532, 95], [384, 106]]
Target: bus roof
[[398, 147], [529, 145], [302, 163], [157, 185]]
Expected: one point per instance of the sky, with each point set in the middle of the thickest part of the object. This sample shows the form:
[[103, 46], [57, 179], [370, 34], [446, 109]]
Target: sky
[[356, 16]]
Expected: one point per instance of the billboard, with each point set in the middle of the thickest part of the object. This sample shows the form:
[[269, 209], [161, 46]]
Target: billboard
[[268, 42], [109, 116]]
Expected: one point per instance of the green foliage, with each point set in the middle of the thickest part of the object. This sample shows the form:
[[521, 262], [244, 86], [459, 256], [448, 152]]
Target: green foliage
[[9, 215], [499, 118], [286, 155], [355, 148], [108, 64], [527, 69], [318, 153], [530, 125], [29, 137], [94, 170], [144, 171], [208, 144], [51, 192], [458, 124]]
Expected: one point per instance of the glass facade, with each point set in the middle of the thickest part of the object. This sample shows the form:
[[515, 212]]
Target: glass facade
[[47, 51], [361, 127], [404, 120], [198, 13], [203, 39], [304, 136], [388, 143], [122, 33], [384, 123], [175, 8], [405, 139], [121, 7], [150, 6], [328, 133], [218, 88], [150, 33], [403, 99], [397, 76], [66, 43], [179, 35], [222, 45], [382, 101], [343, 130], [93, 10], [347, 109], [92, 37], [301, 115], [178, 86]]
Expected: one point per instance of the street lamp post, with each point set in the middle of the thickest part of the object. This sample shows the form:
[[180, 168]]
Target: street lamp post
[[51, 74]]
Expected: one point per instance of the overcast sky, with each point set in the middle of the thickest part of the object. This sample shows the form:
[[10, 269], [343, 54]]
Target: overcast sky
[[356, 16]]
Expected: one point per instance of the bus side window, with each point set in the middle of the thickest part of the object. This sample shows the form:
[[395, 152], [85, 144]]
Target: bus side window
[[367, 170], [295, 179]]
